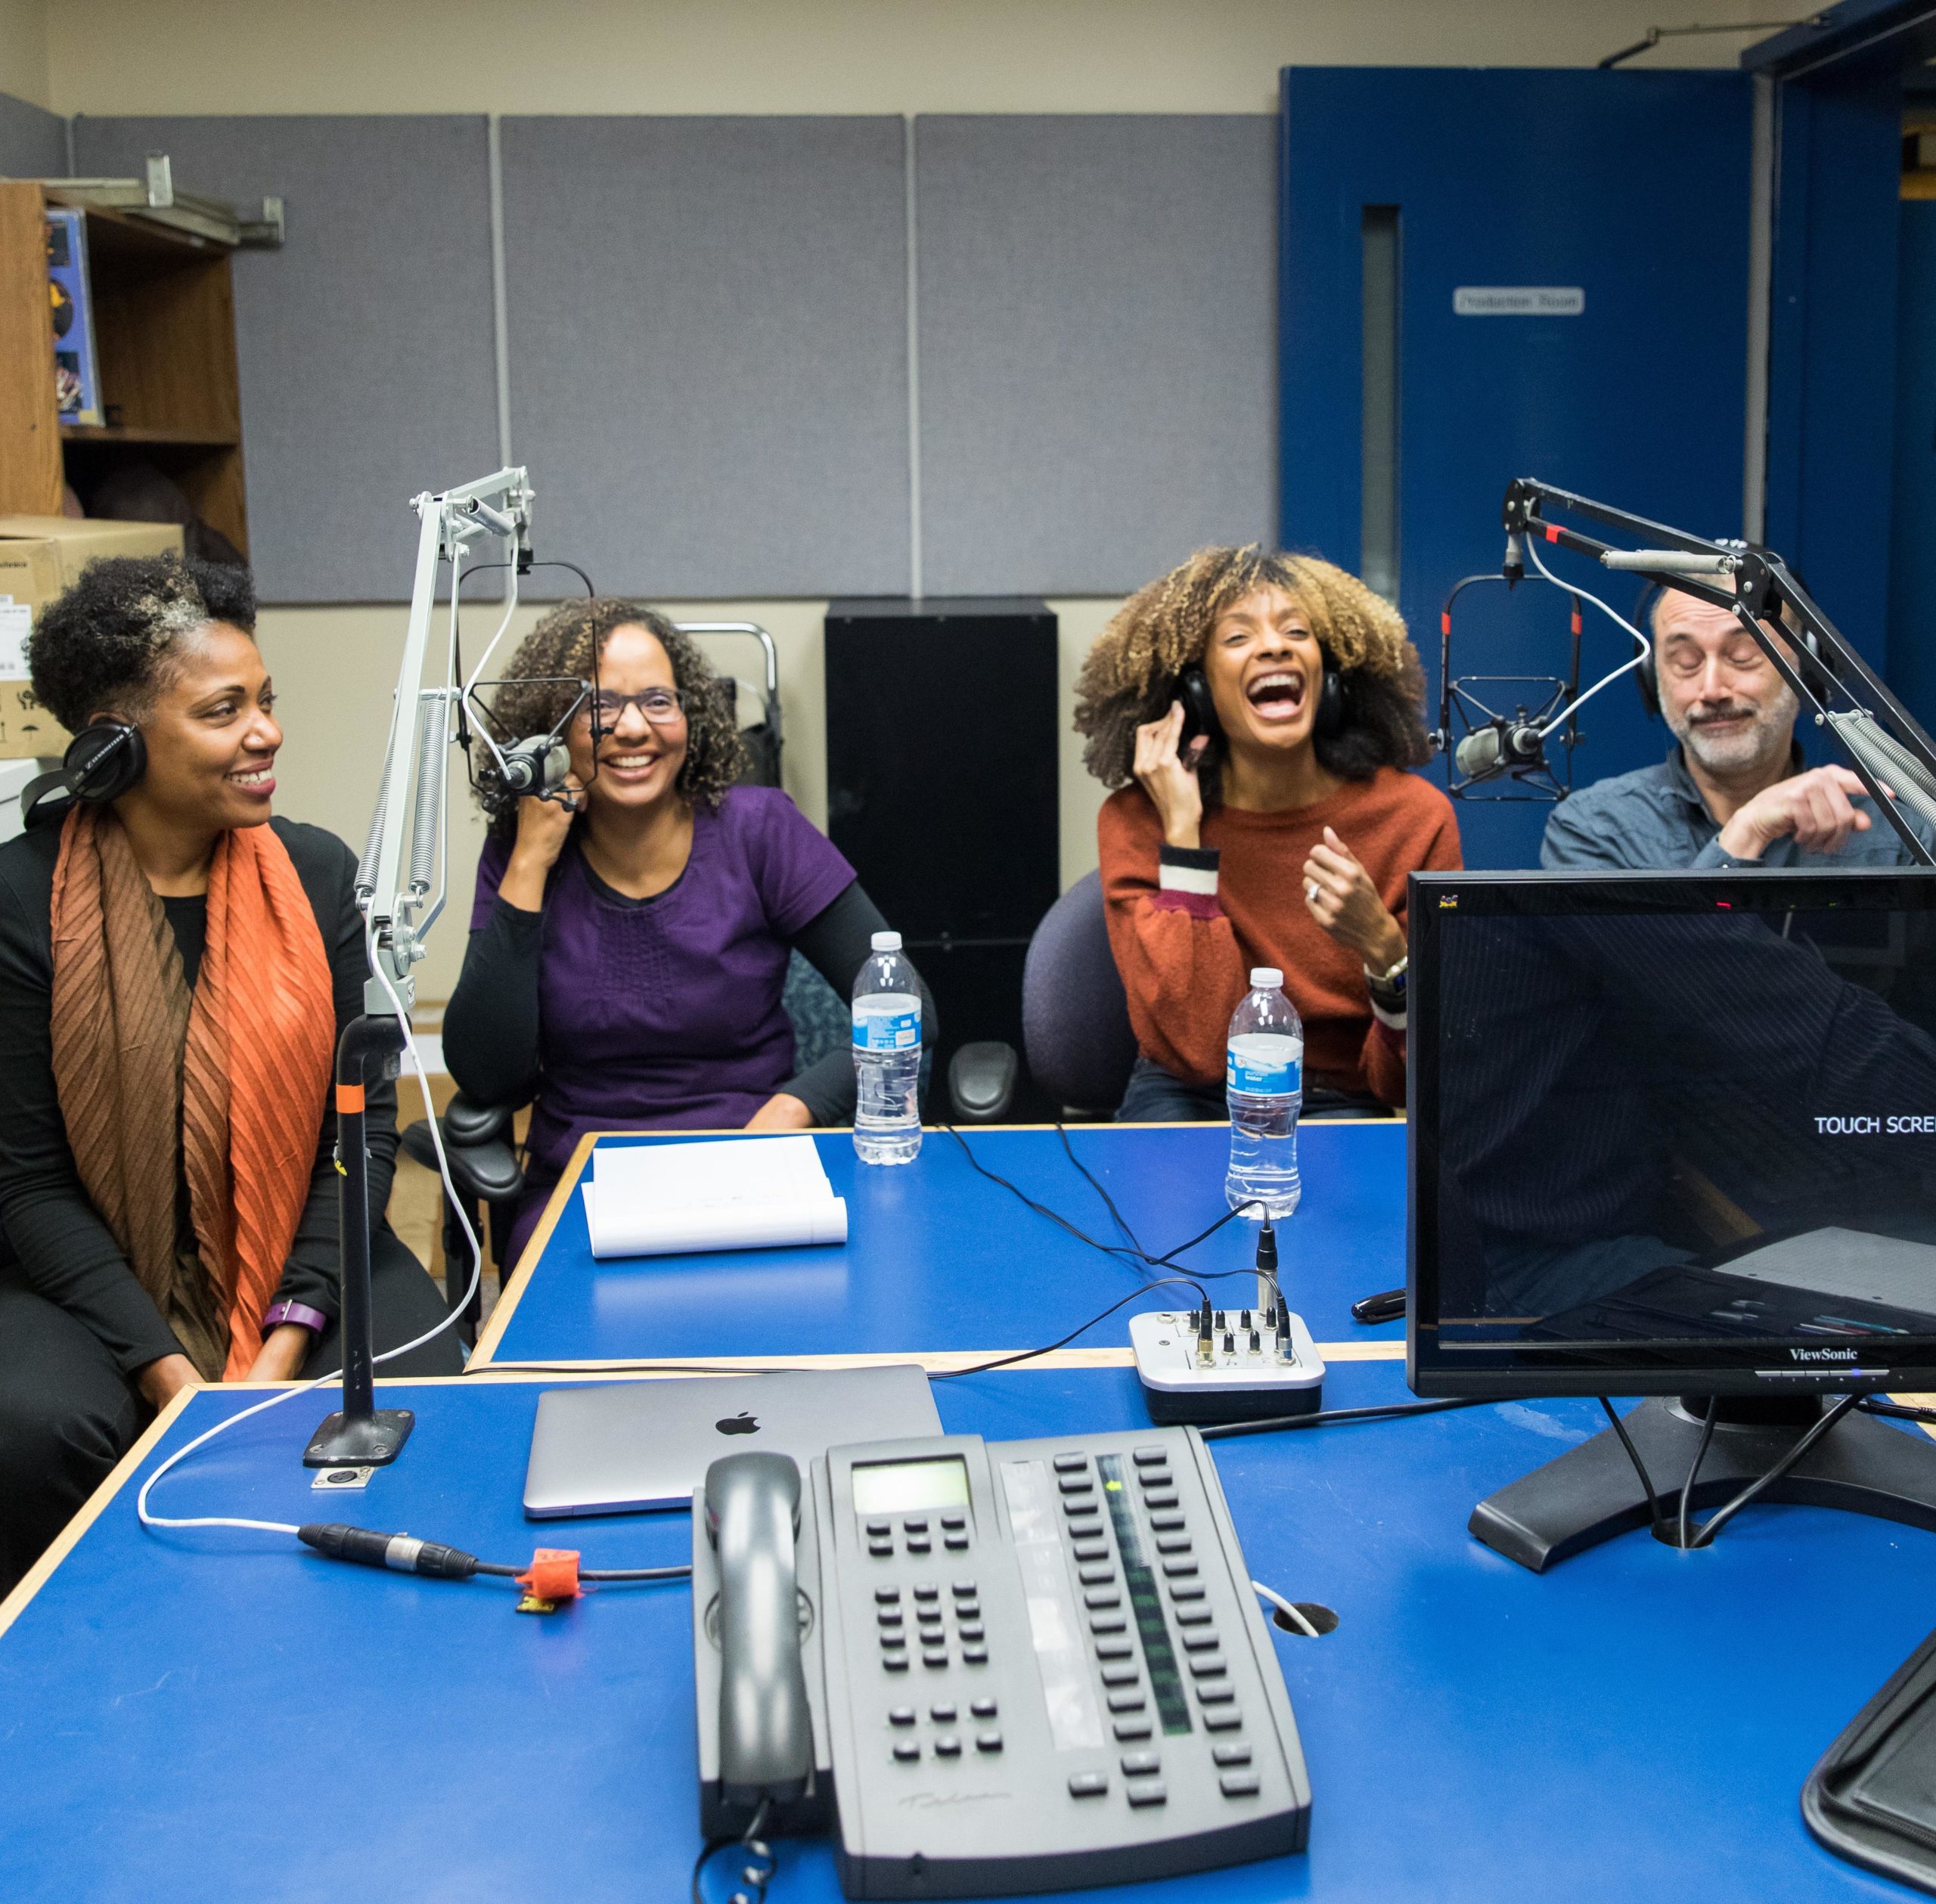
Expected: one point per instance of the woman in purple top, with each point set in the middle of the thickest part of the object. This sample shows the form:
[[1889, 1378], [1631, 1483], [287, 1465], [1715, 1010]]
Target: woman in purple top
[[630, 938]]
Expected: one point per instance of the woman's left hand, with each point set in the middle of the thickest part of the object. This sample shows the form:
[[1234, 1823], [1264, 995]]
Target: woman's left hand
[[283, 1352], [780, 1112], [1342, 899]]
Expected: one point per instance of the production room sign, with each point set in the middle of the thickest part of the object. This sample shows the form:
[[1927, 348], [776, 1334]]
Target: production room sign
[[1518, 301]]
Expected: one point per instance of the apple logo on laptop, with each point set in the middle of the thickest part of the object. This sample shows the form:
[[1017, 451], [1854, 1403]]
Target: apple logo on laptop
[[740, 1423]]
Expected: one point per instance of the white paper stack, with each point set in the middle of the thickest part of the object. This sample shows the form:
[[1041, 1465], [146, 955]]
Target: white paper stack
[[741, 1193]]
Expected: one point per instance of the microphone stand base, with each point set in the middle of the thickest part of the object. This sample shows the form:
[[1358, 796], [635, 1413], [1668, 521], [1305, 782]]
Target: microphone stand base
[[372, 1440]]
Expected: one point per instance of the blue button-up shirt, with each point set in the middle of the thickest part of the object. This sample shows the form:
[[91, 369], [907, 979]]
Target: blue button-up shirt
[[1655, 818]]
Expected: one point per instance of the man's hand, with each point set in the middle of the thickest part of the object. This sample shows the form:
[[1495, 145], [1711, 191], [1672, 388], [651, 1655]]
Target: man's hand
[[780, 1112], [161, 1380], [1341, 898], [1170, 778], [283, 1352], [1814, 807]]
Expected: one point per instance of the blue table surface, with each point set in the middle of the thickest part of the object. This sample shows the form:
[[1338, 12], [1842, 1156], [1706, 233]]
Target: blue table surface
[[938, 1257], [215, 1714]]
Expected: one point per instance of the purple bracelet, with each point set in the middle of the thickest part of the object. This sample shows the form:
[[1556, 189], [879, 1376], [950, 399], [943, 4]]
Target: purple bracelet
[[314, 1320]]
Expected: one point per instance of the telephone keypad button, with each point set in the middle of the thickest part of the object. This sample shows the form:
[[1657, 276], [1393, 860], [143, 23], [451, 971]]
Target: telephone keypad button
[[1166, 1543], [1076, 1484], [1151, 1457], [889, 1616], [1119, 1674], [1212, 1668], [1114, 1649], [982, 1708], [1127, 1730], [1200, 1642], [881, 1549], [917, 1544], [892, 1641], [971, 1629], [1076, 1509], [1088, 1785], [962, 1590], [900, 1715], [934, 1656], [1107, 1623], [1238, 1784], [927, 1590], [956, 1543], [1231, 1754], [930, 1618], [1167, 1523], [942, 1712], [876, 1530], [988, 1742], [916, 1523], [1213, 1695], [947, 1746], [1191, 1616], [1139, 1765], [1223, 1721], [1092, 1550], [1095, 1575], [974, 1656], [1071, 1464], [1148, 1791], [1126, 1702], [1185, 1590], [1177, 1569], [1098, 1598], [1159, 1497], [954, 1523], [896, 1662], [907, 1750]]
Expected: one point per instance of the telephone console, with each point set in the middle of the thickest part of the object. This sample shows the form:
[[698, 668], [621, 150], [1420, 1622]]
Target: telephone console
[[990, 1667]]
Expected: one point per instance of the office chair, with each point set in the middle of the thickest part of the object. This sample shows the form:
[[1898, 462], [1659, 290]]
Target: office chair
[[1074, 1014]]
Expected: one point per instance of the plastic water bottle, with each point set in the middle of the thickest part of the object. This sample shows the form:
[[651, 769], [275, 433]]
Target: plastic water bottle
[[1264, 1084], [887, 1056]]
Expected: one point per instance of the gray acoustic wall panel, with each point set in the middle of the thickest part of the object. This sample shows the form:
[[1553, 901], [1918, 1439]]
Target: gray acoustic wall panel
[[33, 143], [365, 343], [1098, 338], [708, 324]]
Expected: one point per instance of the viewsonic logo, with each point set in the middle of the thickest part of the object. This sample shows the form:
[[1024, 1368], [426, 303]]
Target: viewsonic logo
[[1821, 1355], [740, 1424]]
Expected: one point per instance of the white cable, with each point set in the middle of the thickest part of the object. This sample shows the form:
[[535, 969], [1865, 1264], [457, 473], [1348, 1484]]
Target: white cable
[[476, 1276], [1605, 680], [1292, 1613]]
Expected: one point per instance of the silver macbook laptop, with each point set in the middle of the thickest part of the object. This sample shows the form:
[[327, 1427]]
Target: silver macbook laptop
[[631, 1445]]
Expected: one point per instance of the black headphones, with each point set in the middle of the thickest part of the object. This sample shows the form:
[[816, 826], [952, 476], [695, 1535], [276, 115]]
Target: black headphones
[[101, 762], [1817, 671], [1199, 708]]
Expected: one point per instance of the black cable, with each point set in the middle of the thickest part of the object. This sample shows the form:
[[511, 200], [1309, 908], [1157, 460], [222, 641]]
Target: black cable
[[1324, 1418], [1721, 1516], [1095, 1184], [1895, 1410], [1694, 1468], [1029, 1355], [1654, 1512]]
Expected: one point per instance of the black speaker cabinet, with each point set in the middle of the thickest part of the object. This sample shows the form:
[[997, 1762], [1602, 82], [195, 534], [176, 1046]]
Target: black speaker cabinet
[[942, 748]]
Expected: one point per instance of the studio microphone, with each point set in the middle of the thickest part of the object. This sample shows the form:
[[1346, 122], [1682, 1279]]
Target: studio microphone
[[1498, 747], [536, 765]]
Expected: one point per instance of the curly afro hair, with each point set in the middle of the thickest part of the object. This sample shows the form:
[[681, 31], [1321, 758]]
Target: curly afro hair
[[542, 679], [1130, 674], [104, 645]]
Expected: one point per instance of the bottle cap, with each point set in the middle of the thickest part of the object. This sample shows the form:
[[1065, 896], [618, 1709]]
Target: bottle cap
[[887, 941], [1263, 978]]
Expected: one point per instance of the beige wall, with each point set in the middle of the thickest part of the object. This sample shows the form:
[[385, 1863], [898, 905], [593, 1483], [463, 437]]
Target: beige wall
[[23, 50], [795, 56]]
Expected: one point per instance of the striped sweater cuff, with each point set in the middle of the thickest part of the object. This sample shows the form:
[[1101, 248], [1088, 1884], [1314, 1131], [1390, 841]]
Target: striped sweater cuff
[[1188, 869]]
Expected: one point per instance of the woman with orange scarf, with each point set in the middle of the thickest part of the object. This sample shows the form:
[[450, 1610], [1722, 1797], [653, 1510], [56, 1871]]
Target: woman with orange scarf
[[174, 968]]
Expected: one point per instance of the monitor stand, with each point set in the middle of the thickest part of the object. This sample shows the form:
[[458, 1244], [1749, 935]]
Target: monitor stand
[[1863, 1464]]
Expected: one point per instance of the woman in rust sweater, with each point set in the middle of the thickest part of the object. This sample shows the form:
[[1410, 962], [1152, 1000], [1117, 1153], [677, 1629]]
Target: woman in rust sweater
[[1275, 826]]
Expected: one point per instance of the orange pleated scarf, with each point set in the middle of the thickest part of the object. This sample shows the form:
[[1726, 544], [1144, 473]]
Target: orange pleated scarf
[[226, 1087]]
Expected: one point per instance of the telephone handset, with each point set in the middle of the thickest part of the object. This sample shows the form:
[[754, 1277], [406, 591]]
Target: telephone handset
[[1021, 1665]]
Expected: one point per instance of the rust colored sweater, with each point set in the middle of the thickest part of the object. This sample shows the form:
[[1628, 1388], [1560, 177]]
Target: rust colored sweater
[[1187, 927]]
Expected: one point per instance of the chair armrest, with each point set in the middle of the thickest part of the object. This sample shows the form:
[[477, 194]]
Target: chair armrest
[[484, 1168], [981, 1081]]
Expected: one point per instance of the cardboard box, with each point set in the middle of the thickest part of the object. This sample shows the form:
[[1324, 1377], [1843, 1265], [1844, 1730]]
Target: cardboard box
[[39, 557]]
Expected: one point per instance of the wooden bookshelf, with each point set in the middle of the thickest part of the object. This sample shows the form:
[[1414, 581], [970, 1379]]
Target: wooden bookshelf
[[164, 315]]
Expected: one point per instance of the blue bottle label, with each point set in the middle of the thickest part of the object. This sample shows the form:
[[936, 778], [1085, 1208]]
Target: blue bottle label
[[1242, 1074], [887, 1031]]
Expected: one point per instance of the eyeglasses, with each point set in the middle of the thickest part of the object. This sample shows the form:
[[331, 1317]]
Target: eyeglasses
[[663, 707]]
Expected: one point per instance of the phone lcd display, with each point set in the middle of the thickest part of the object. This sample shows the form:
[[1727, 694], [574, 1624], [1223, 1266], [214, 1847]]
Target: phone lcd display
[[902, 1487]]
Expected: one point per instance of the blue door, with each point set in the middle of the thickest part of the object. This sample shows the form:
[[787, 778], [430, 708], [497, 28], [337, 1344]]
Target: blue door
[[1566, 255]]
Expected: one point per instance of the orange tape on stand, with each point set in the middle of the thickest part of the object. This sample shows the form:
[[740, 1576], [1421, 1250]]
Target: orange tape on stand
[[552, 1575], [349, 1100]]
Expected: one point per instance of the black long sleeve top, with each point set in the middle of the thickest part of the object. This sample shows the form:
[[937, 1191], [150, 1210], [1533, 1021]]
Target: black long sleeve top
[[52, 1238], [492, 1028]]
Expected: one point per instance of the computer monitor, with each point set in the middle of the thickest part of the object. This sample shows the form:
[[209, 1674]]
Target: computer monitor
[[1673, 1134]]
